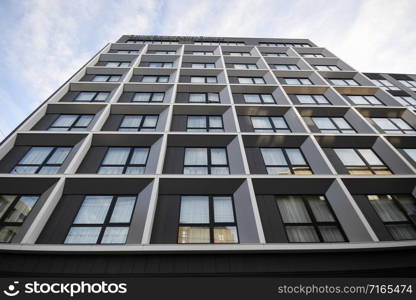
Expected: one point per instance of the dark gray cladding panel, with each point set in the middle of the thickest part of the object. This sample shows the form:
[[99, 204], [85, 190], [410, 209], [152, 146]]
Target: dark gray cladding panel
[[113, 123], [45, 122], [23, 185], [271, 220], [255, 161], [174, 160], [12, 158], [199, 186], [165, 225], [92, 160], [380, 185], [290, 186], [102, 186]]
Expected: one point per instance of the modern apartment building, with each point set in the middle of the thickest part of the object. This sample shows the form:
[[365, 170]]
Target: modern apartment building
[[180, 156]]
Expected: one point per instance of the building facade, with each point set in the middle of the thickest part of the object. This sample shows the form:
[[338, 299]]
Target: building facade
[[182, 156]]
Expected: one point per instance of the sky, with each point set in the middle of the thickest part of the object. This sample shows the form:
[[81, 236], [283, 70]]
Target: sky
[[43, 42]]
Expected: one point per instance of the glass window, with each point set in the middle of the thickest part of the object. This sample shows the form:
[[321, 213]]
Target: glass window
[[394, 125], [124, 160], [71, 123], [364, 100], [207, 219], [258, 98], [148, 97], [42, 160], [269, 124], [202, 161], [298, 81], [344, 82], [202, 79], [411, 153], [251, 80], [138, 123], [361, 161], [154, 79], [204, 98], [204, 124], [102, 220], [285, 161], [332, 125], [91, 96], [13, 211], [309, 219], [285, 67], [395, 211]]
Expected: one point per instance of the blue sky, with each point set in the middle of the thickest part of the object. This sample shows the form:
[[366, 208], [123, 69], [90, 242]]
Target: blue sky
[[44, 42]]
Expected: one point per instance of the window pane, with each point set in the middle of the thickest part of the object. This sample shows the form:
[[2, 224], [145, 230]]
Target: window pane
[[341, 123], [149, 79], [292, 81], [5, 202], [295, 156], [279, 122], [135, 170], [321, 99], [331, 234], [400, 123], [59, 155], [261, 122], [320, 209], [411, 153], [93, 210], [24, 170], [36, 155], [258, 80], [223, 210], [85, 96], [48, 170], [273, 156], [139, 156], [22, 209], [197, 98], [252, 98], [131, 121], [220, 170], [215, 121], [195, 171], [402, 231], [198, 79], [116, 156], [218, 156], [324, 123], [196, 156], [194, 210], [302, 234], [150, 121], [370, 157], [100, 78], [305, 99], [349, 157], [142, 97], [197, 122], [213, 97], [7, 233], [157, 97], [384, 123], [245, 80], [110, 170], [293, 210], [226, 234], [65, 120], [163, 79], [115, 235], [267, 98], [83, 235], [84, 121], [359, 100], [386, 208], [408, 203], [193, 235]]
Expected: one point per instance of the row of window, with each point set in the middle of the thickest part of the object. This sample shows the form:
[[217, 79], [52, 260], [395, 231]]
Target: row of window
[[202, 160], [204, 219], [214, 43]]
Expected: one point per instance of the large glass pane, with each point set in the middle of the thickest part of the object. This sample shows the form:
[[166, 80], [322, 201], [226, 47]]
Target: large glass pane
[[220, 170], [411, 153], [83, 235], [267, 98], [65, 121], [85, 96], [261, 122], [110, 170], [349, 157], [279, 122], [245, 80], [258, 80], [196, 156], [149, 79], [7, 233], [211, 79], [293, 210], [292, 81], [386, 209], [252, 98], [115, 235], [116, 156], [142, 97], [93, 210], [5, 202], [370, 157], [163, 79], [84, 121], [59, 156], [225, 235], [195, 171], [100, 78], [139, 156], [114, 78], [323, 123], [197, 97], [36, 155], [408, 202], [21, 209], [150, 121], [213, 97], [302, 234], [197, 122], [24, 170], [158, 97], [402, 231], [131, 121], [341, 123], [320, 209], [331, 234], [223, 210], [305, 99], [273, 156], [400, 123], [215, 121], [358, 100], [384, 123], [102, 96], [48, 170], [194, 210], [195, 79], [295, 156], [218, 156], [193, 235]]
